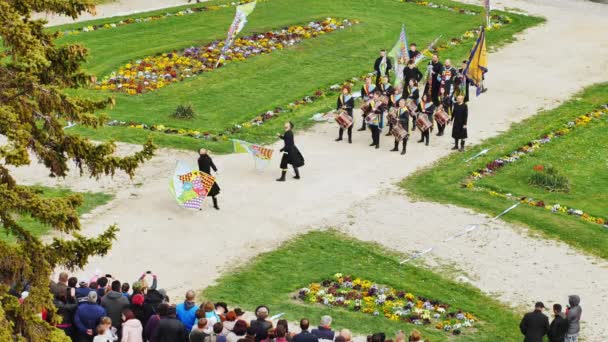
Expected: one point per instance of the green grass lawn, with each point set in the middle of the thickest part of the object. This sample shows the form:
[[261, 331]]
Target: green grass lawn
[[273, 278], [240, 91], [581, 155], [91, 201]]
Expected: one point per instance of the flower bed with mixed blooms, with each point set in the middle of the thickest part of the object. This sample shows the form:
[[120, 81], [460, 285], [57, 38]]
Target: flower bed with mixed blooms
[[495, 165], [156, 72], [356, 294], [271, 114], [129, 21]]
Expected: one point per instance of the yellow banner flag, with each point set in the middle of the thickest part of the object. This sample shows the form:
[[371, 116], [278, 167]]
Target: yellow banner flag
[[478, 62]]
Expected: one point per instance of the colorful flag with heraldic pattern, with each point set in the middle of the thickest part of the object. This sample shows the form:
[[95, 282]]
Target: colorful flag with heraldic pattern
[[190, 186]]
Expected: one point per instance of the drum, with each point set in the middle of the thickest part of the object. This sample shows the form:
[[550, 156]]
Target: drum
[[344, 120], [423, 122], [441, 117], [399, 133], [392, 116], [412, 106], [372, 119]]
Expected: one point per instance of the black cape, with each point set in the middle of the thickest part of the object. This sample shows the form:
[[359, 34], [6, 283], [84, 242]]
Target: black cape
[[292, 155]]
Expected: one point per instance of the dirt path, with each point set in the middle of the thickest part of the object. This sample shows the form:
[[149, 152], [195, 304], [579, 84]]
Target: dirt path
[[115, 8], [345, 184]]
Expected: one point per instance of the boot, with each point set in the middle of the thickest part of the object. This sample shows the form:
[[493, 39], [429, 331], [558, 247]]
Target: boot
[[297, 176], [362, 127], [215, 203], [350, 138], [404, 145], [396, 148], [455, 145], [339, 139], [390, 128], [461, 145], [282, 179]]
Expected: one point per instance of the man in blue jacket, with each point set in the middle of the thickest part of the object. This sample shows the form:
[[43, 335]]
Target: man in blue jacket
[[186, 311], [87, 317]]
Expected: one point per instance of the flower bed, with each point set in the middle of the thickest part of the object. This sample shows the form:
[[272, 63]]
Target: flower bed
[[129, 21], [356, 294], [495, 165], [152, 73]]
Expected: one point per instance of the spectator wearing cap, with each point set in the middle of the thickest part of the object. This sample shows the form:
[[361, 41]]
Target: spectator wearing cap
[[170, 329], [305, 335], [260, 324], [114, 302], [324, 332], [221, 309], [534, 325], [87, 317], [240, 314], [186, 311]]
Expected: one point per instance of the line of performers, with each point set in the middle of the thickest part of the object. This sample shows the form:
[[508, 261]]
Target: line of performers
[[443, 101]]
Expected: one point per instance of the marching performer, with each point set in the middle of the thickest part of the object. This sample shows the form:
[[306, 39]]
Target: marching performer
[[411, 72], [205, 164], [447, 77], [460, 115], [413, 52], [462, 83], [346, 102], [367, 92], [434, 71], [445, 104], [376, 109], [382, 67], [387, 91], [403, 122], [426, 107], [414, 95], [291, 154]]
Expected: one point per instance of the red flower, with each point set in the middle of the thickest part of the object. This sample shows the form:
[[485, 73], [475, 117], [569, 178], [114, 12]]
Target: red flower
[[538, 167]]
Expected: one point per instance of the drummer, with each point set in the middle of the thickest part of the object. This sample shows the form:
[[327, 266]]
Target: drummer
[[387, 91], [346, 102], [445, 104], [427, 108], [402, 126], [367, 91]]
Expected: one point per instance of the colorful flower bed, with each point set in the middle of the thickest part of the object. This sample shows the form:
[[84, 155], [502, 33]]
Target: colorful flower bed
[[494, 166], [156, 72], [356, 294], [129, 21]]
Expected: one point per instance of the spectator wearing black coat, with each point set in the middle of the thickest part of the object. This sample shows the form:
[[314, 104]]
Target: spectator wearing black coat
[[559, 325], [535, 324], [305, 335], [324, 331], [170, 329]]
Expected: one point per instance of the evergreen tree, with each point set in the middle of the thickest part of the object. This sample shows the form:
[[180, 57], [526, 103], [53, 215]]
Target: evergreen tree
[[34, 72]]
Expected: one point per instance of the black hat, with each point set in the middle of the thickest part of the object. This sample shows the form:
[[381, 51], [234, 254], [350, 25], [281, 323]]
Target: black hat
[[239, 312]]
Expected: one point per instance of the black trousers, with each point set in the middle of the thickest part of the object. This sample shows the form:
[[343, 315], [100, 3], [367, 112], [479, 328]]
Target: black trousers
[[441, 128], [349, 132], [375, 134], [425, 136]]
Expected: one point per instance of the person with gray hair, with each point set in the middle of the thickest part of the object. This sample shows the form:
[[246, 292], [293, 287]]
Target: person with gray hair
[[324, 332], [348, 336], [261, 325], [573, 315], [87, 317]]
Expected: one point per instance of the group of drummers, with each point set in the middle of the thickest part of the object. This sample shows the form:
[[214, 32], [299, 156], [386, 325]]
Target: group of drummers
[[441, 101]]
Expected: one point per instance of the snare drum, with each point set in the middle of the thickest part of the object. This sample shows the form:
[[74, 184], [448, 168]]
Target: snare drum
[[372, 119], [344, 120], [441, 117], [399, 133], [423, 122]]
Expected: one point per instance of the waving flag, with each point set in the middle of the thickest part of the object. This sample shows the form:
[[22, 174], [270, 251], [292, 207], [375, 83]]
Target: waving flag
[[261, 155], [190, 186], [400, 55], [240, 19], [478, 62]]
